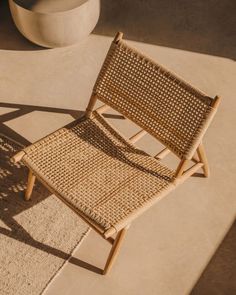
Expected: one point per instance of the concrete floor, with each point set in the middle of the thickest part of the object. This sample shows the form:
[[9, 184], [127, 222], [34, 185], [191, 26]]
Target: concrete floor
[[169, 246], [219, 276]]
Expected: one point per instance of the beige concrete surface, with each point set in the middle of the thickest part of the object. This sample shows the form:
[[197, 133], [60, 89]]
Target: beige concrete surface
[[169, 246]]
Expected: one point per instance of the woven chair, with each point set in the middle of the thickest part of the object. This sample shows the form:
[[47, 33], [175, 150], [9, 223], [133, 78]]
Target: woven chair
[[99, 173]]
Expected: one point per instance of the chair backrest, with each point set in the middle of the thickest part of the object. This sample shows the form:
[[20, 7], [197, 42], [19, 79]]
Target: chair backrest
[[155, 99]]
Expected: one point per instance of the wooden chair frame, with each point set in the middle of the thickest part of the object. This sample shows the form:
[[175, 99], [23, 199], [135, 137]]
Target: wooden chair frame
[[199, 161]]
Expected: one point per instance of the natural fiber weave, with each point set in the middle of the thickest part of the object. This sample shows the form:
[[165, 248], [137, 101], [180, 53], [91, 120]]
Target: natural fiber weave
[[97, 171], [155, 99]]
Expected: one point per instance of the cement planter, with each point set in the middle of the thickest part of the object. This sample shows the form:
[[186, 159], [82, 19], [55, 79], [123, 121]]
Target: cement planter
[[51, 23]]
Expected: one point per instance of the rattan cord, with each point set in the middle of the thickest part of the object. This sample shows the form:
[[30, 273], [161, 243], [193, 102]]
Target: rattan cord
[[157, 100], [97, 171]]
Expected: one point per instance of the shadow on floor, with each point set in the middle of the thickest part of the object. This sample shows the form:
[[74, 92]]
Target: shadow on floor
[[219, 277], [207, 27], [10, 37], [26, 109], [13, 179]]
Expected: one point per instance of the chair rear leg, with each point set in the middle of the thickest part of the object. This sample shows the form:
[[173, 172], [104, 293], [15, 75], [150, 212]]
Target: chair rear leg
[[30, 185], [115, 250], [202, 156]]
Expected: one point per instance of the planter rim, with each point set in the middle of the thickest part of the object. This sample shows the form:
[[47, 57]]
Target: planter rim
[[60, 6]]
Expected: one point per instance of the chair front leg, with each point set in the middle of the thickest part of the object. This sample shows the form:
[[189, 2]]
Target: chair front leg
[[115, 250], [30, 185]]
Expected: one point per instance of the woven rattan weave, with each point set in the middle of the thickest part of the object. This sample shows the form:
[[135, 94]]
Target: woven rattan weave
[[99, 173], [155, 99]]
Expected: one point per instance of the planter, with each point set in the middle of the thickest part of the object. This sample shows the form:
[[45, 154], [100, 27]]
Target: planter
[[51, 23]]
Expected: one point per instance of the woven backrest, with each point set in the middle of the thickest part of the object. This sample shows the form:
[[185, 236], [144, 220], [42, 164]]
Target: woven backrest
[[154, 98]]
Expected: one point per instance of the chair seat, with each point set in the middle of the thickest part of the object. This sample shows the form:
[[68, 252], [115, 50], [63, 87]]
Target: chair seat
[[97, 172]]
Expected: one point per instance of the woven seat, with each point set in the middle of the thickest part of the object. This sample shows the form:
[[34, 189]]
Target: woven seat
[[100, 174]]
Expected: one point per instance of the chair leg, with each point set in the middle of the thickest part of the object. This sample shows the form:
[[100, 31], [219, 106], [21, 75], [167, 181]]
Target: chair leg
[[114, 250], [202, 157], [30, 185]]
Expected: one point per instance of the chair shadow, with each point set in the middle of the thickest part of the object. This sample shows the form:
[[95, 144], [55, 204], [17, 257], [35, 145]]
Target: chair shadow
[[119, 149], [199, 26], [198, 174], [26, 109], [10, 37], [13, 179]]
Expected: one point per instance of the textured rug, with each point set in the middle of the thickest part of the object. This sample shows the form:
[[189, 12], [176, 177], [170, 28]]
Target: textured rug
[[36, 237]]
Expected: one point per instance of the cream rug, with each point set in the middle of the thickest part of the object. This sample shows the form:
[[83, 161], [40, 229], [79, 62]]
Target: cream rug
[[36, 237]]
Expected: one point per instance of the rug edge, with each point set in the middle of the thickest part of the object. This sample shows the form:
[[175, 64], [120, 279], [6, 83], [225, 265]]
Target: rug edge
[[65, 262]]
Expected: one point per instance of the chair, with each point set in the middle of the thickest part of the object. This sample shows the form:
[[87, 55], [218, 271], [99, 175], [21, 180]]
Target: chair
[[103, 176]]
